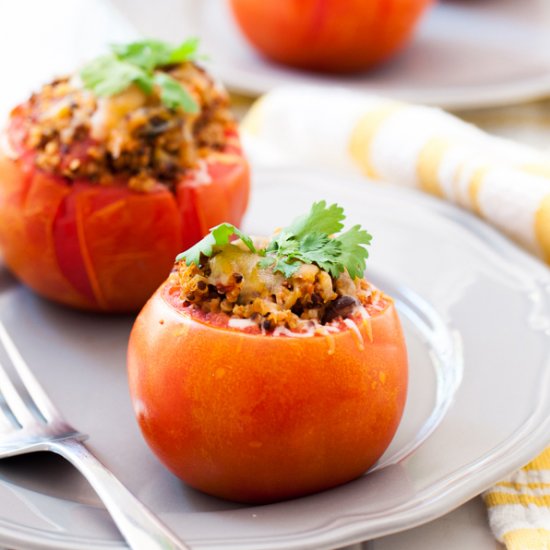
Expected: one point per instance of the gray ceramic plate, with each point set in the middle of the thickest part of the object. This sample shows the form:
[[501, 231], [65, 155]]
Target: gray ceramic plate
[[476, 315]]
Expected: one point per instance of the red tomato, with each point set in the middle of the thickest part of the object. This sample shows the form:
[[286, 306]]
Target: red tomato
[[108, 248], [259, 418], [328, 35]]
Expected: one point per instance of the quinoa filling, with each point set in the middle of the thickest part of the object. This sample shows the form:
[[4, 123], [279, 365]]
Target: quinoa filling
[[232, 282], [130, 136]]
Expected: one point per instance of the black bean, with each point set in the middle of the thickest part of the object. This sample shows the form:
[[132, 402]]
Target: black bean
[[238, 277], [315, 300], [155, 126], [157, 121], [201, 285], [341, 307], [268, 324]]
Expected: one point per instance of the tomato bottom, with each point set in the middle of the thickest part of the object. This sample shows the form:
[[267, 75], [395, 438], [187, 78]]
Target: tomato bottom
[[259, 419]]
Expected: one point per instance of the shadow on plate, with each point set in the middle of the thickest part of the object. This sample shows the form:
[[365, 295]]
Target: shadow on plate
[[48, 474], [7, 280]]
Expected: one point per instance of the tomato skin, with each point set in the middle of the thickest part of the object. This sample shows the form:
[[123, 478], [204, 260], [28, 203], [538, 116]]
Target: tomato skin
[[224, 198], [107, 248], [126, 242], [328, 35], [258, 419]]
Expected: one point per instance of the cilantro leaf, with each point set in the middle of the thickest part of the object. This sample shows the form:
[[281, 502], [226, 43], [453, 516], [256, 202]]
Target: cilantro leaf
[[266, 262], [308, 239], [321, 219], [313, 248], [286, 267], [186, 51], [353, 253], [146, 54], [218, 236], [137, 63], [174, 95], [320, 249], [149, 54], [107, 75]]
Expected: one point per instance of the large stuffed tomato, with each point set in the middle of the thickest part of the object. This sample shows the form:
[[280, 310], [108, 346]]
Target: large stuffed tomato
[[107, 248], [260, 418], [328, 35]]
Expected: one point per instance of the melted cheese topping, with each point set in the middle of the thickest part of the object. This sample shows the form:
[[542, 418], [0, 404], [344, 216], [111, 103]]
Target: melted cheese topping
[[256, 283], [111, 111]]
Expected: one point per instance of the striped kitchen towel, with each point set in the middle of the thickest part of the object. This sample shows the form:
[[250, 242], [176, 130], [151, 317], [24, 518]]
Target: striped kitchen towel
[[505, 183], [519, 506]]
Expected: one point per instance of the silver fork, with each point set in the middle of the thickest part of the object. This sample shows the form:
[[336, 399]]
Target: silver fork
[[38, 426]]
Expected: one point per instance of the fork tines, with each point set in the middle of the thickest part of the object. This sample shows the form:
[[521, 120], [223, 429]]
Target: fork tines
[[26, 412]]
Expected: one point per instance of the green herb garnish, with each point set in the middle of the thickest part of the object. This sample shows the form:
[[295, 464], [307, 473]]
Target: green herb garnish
[[137, 63], [309, 239], [218, 236]]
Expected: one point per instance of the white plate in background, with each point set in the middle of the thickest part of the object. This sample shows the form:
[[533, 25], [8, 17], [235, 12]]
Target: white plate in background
[[466, 53]]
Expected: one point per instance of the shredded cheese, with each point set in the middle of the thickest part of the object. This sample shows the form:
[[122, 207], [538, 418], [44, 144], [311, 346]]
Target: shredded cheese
[[241, 323], [283, 331], [366, 322], [201, 175], [350, 323]]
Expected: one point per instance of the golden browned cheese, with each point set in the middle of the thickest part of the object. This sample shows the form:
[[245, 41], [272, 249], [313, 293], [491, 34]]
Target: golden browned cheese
[[256, 282]]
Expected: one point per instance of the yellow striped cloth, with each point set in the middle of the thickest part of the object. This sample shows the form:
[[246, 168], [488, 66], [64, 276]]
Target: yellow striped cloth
[[505, 183], [519, 506]]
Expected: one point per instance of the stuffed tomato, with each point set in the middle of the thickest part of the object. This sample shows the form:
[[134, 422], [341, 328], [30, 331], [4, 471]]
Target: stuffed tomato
[[261, 374], [101, 187]]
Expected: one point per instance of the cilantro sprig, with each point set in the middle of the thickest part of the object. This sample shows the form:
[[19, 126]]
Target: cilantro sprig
[[138, 63], [313, 238], [218, 236]]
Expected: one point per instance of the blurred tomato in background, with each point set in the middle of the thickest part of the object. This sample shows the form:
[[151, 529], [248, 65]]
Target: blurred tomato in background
[[328, 35]]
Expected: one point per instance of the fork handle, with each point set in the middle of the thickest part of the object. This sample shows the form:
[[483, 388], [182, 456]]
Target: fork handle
[[141, 529]]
